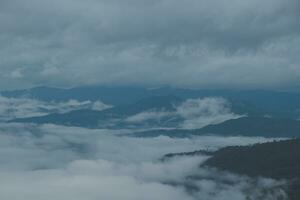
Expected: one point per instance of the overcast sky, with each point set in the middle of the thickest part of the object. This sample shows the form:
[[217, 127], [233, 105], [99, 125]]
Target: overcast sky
[[249, 44]]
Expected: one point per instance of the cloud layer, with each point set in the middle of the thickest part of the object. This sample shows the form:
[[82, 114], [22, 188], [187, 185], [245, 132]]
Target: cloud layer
[[205, 43], [202, 112], [11, 108], [46, 162], [194, 113]]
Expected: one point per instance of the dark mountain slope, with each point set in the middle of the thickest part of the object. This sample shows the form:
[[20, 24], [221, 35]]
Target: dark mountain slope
[[246, 126], [256, 126], [277, 160]]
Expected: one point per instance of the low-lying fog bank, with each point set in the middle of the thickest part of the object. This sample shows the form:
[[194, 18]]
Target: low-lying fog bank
[[56, 162]]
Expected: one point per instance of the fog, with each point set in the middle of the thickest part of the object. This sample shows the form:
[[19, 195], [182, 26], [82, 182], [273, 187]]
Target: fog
[[11, 108], [195, 113], [56, 162]]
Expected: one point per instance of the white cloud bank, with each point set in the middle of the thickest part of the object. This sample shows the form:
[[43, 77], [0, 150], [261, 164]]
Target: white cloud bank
[[201, 112], [54, 162], [195, 113], [24, 107]]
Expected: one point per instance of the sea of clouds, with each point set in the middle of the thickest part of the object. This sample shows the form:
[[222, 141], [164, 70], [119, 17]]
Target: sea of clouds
[[56, 162], [46, 162]]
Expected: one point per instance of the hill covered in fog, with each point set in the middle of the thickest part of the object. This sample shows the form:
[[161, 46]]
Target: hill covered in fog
[[252, 102], [244, 126]]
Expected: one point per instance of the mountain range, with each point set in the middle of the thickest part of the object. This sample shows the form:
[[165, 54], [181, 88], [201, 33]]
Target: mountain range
[[244, 126], [254, 102], [114, 117]]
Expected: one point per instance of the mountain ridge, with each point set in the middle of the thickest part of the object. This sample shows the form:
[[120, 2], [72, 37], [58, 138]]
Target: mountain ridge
[[244, 126], [284, 104]]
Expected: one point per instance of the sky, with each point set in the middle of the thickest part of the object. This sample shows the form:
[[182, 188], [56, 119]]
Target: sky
[[250, 44]]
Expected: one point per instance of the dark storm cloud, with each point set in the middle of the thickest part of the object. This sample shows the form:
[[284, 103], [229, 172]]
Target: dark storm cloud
[[204, 43]]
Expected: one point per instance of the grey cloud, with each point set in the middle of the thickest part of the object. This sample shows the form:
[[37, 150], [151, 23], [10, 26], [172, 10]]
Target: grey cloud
[[241, 44]]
